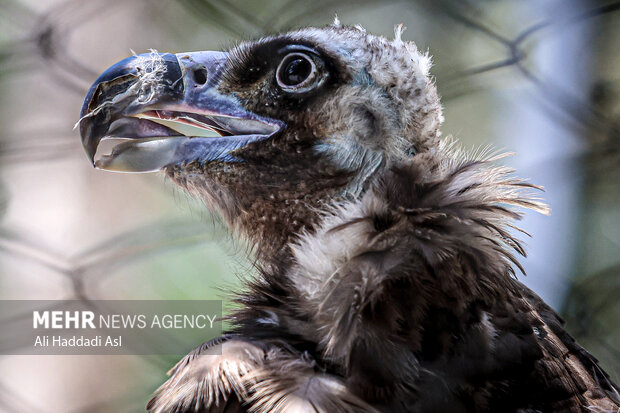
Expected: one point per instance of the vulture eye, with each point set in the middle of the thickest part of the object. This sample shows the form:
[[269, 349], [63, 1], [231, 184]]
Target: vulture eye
[[297, 73]]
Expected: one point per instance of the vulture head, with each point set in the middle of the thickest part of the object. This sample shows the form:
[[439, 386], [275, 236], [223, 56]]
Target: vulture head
[[271, 131], [386, 255]]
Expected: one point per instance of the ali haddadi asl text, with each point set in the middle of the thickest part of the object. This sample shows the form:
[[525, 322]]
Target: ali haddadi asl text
[[78, 341]]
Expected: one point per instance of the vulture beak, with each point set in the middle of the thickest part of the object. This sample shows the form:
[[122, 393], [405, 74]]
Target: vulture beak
[[164, 109]]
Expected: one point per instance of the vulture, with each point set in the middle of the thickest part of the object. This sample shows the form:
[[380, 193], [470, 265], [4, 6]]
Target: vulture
[[386, 255]]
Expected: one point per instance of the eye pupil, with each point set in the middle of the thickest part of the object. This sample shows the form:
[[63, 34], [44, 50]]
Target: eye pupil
[[300, 72], [296, 71]]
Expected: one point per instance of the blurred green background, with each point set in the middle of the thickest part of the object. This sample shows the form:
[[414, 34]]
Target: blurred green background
[[539, 78]]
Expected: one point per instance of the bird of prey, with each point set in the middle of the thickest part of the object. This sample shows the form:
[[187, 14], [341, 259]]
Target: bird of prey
[[386, 255]]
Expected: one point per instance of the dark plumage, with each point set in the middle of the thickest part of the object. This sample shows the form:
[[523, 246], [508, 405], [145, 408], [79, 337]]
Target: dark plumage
[[386, 255]]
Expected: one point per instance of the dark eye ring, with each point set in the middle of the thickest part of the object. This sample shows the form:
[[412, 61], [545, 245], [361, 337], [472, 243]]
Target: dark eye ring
[[297, 72]]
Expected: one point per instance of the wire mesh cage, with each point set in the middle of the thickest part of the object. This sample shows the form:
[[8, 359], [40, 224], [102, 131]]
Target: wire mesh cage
[[537, 78]]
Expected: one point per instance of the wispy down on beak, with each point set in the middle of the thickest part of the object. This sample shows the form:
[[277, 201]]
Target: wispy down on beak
[[164, 109]]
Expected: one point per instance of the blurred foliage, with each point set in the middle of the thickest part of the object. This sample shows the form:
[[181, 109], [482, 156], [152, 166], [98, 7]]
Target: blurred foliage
[[68, 231]]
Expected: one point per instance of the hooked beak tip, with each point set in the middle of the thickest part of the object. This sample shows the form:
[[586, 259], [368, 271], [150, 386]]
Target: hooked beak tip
[[90, 148]]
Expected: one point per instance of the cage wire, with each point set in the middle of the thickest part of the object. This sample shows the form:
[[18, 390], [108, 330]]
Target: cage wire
[[68, 232]]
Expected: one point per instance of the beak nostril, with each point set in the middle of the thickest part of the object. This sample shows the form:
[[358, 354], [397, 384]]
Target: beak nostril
[[200, 75]]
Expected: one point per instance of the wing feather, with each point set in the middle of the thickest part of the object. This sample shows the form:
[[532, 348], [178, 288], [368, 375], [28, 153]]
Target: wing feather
[[209, 379]]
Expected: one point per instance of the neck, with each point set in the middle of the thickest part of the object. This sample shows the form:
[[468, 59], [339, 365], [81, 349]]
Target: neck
[[274, 206], [407, 245]]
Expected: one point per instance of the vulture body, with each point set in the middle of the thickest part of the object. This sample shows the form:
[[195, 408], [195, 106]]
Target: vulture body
[[385, 253]]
